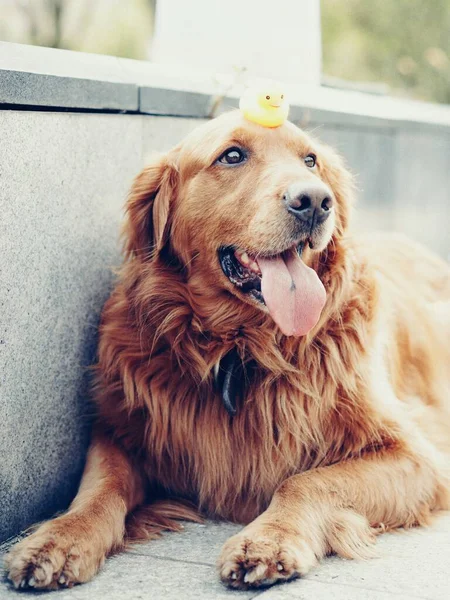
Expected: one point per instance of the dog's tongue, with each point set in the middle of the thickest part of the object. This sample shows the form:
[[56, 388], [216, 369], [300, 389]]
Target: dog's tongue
[[293, 293]]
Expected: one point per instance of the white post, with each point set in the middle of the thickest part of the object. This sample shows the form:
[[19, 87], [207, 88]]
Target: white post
[[277, 39]]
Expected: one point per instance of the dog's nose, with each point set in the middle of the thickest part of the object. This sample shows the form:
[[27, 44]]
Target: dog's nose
[[311, 204]]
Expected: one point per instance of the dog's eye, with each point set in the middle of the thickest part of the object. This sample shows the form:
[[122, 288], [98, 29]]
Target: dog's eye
[[232, 156], [310, 160]]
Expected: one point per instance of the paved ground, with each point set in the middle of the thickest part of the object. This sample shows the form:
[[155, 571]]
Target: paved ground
[[412, 565]]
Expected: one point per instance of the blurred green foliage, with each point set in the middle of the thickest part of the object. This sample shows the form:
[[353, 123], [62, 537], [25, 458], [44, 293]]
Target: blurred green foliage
[[118, 27], [403, 43]]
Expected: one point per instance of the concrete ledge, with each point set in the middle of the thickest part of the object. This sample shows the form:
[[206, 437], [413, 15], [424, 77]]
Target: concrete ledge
[[36, 89], [44, 77], [160, 101]]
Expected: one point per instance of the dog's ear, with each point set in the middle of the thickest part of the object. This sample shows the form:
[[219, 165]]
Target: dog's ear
[[148, 208]]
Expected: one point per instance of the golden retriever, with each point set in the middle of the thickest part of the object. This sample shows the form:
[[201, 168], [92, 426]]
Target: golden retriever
[[259, 364]]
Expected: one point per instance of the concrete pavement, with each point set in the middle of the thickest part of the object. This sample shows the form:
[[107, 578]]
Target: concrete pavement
[[412, 565]]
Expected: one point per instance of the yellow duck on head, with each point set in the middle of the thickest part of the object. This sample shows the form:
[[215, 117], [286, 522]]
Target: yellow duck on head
[[265, 105]]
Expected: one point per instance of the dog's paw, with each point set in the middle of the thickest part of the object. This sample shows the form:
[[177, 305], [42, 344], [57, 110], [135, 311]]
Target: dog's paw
[[261, 558], [50, 559]]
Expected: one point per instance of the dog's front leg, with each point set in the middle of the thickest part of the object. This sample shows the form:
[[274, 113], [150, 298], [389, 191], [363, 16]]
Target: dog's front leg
[[338, 508], [71, 548]]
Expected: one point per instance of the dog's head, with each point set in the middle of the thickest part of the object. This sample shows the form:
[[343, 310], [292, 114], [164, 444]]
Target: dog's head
[[244, 210]]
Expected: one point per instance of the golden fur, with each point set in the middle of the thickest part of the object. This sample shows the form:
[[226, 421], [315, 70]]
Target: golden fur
[[341, 433]]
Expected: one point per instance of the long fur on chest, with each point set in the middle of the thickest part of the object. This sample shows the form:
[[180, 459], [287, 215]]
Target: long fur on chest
[[303, 402]]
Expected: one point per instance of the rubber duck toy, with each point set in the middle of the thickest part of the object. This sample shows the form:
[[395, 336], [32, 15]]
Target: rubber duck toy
[[266, 105]]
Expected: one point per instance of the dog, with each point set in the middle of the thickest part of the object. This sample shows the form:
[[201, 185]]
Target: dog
[[260, 364]]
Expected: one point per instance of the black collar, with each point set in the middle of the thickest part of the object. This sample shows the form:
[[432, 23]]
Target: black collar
[[229, 379]]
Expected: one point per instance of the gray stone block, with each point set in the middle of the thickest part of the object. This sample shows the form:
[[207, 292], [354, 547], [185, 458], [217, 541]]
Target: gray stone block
[[159, 101], [35, 76], [37, 89], [421, 184], [64, 178], [162, 133]]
